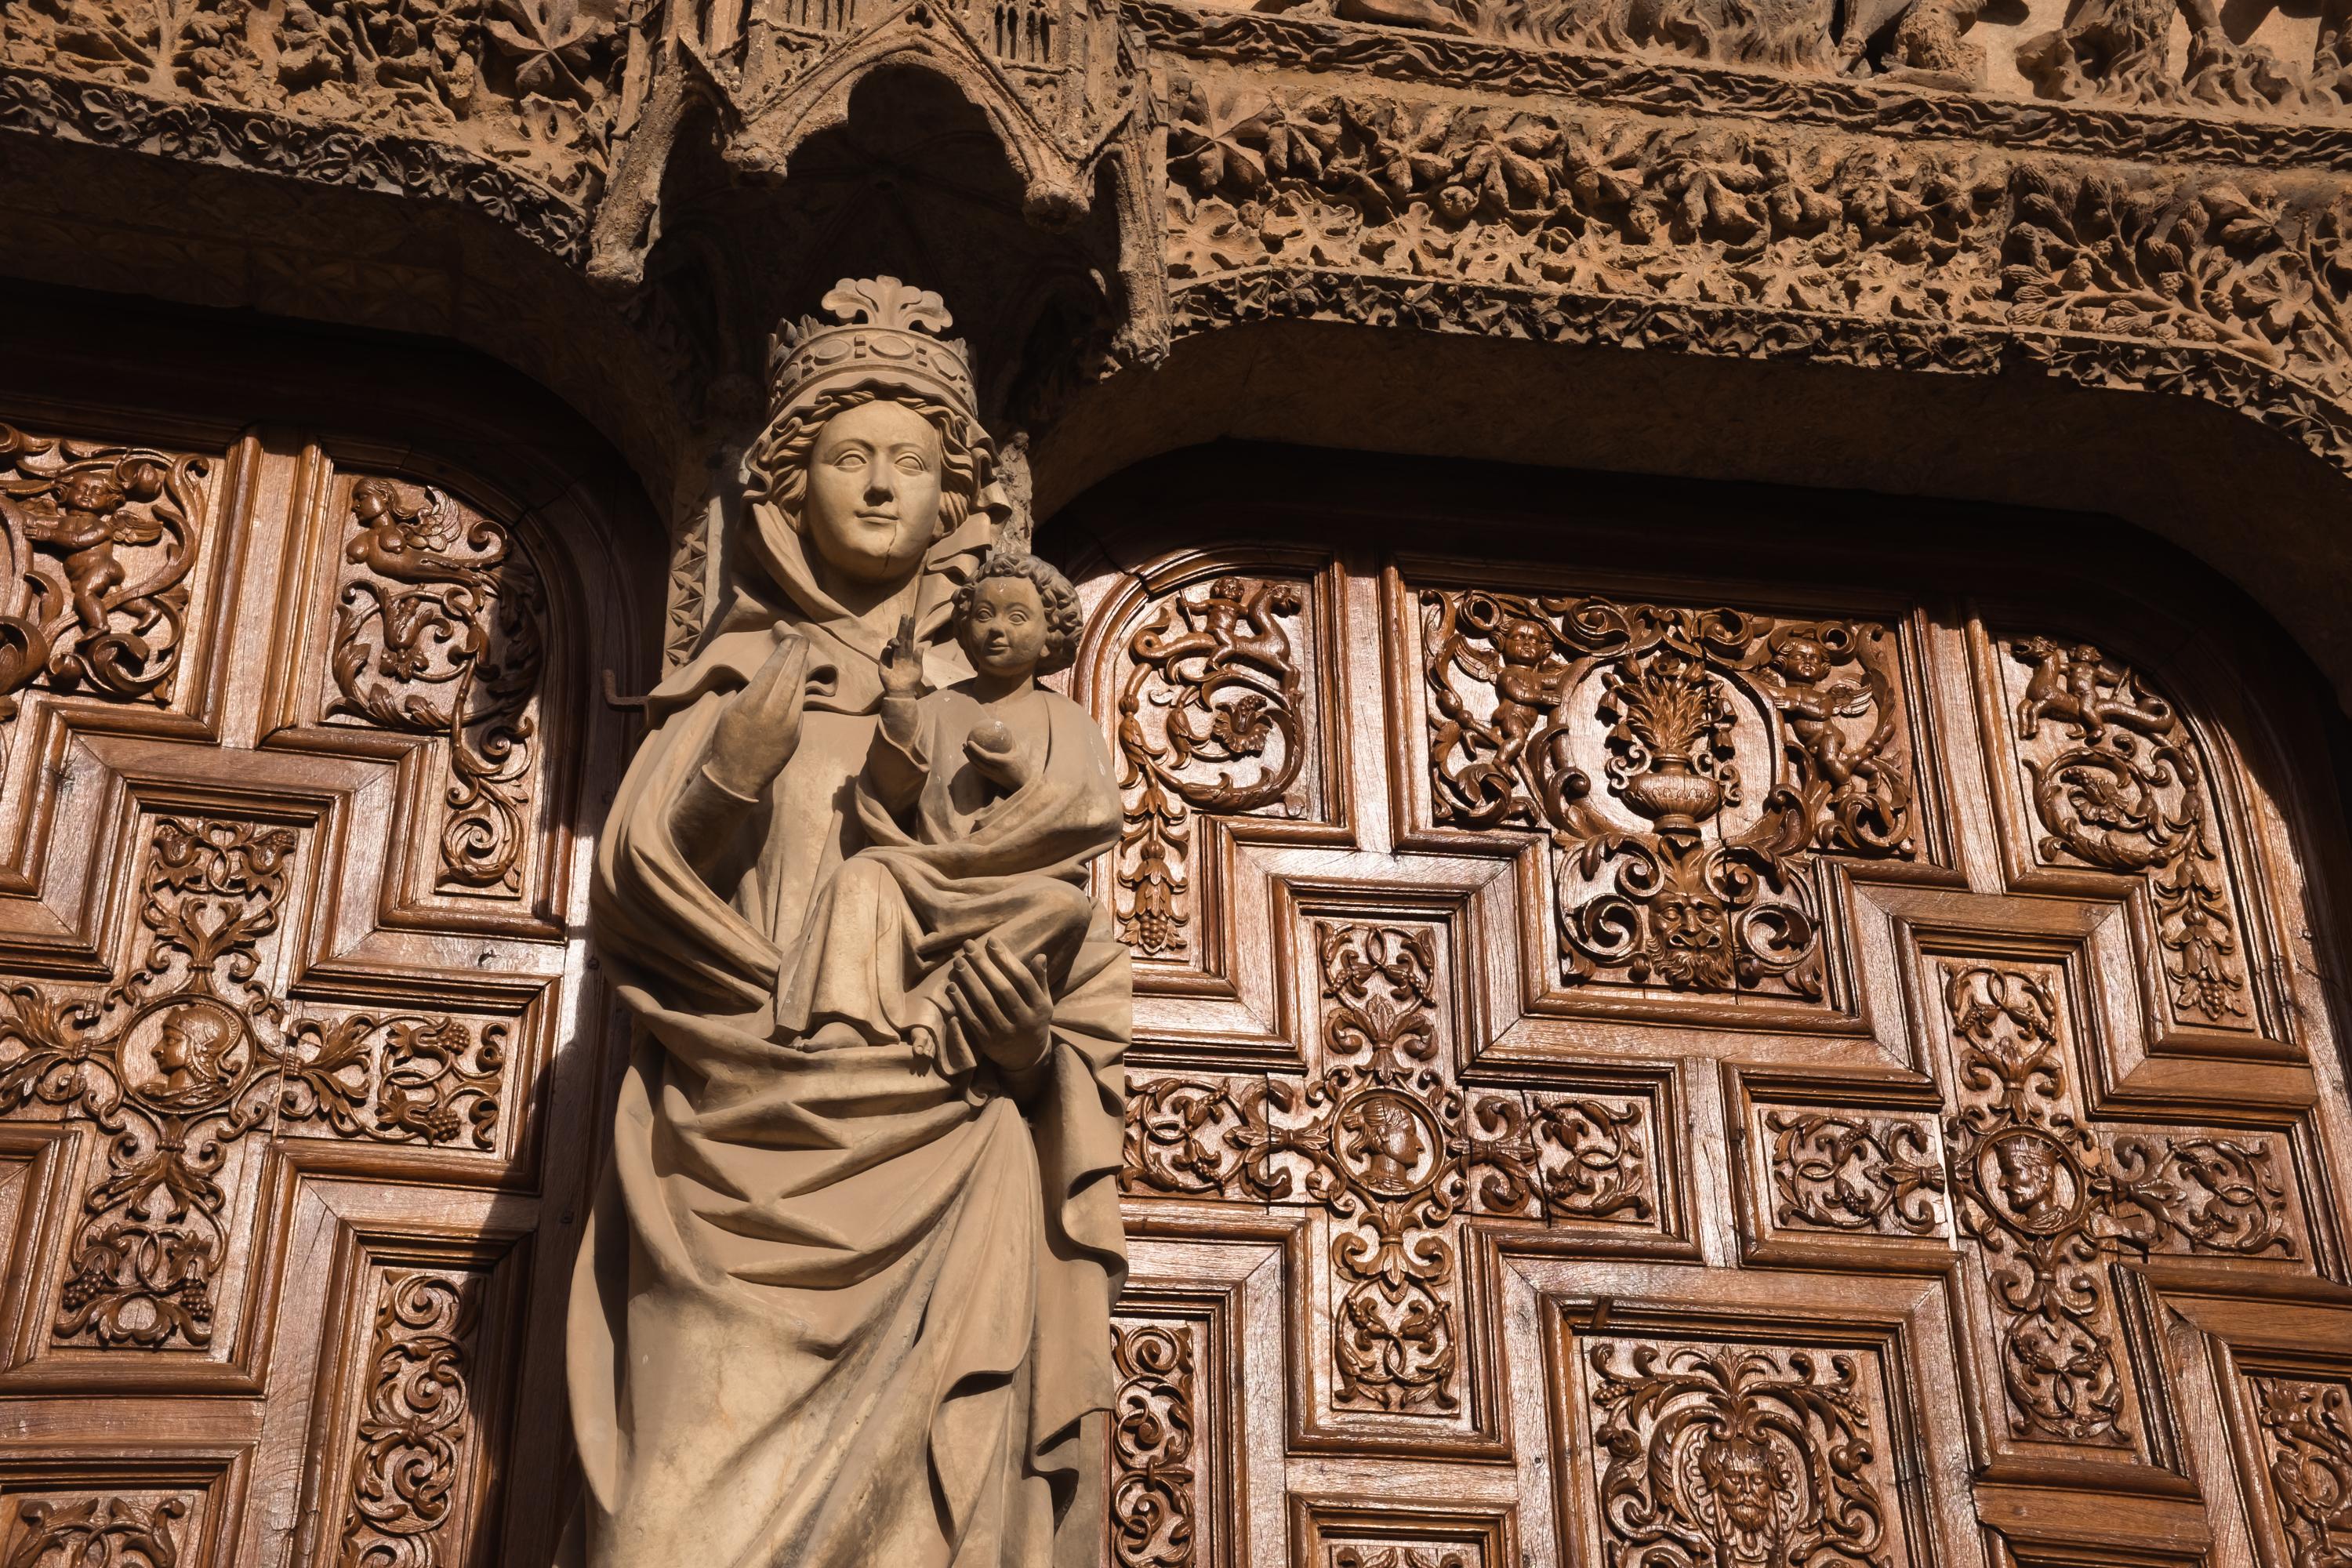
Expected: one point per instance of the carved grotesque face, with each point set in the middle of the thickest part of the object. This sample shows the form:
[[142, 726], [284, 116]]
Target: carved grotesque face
[[1739, 1471], [873, 492], [1004, 631], [1804, 660], [1524, 642], [1690, 927], [2028, 1176], [89, 492]]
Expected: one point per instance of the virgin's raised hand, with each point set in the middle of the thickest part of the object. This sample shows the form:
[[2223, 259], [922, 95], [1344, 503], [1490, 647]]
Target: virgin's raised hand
[[761, 726]]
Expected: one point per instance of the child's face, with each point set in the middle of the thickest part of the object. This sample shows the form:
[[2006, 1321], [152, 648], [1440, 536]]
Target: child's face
[[1003, 633]]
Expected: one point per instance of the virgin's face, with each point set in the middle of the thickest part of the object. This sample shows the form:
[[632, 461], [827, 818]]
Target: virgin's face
[[873, 492]]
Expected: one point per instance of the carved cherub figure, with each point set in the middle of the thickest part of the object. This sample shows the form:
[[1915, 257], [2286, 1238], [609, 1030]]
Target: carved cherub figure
[[84, 526], [1237, 624], [2079, 685], [1800, 685]]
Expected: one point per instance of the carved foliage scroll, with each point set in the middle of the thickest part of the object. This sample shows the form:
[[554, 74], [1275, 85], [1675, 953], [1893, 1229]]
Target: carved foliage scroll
[[2306, 1439], [1212, 716], [1154, 1492], [440, 631], [99, 1532], [2118, 783], [100, 542], [1383, 1140], [1713, 1456], [1686, 763], [192, 1052], [2046, 1199], [416, 1423], [1855, 1173]]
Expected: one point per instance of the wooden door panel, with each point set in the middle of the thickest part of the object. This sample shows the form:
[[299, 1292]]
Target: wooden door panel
[[296, 739], [1728, 1069]]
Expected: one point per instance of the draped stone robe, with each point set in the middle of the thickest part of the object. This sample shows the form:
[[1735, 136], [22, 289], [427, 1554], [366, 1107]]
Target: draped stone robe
[[834, 1307]]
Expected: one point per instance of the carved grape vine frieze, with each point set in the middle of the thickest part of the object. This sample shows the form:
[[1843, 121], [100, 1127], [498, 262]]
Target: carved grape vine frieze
[[1211, 719], [1528, 196], [529, 85], [190, 1053], [98, 1532], [1847, 1172], [1356, 1556], [2306, 1439], [2047, 1200], [1154, 1489], [101, 542], [2117, 783], [416, 1421], [1714, 1455], [1384, 1141], [440, 631], [1687, 764]]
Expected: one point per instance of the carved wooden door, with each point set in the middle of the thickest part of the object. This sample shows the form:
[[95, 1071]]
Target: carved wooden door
[[1657, 1049], [295, 743]]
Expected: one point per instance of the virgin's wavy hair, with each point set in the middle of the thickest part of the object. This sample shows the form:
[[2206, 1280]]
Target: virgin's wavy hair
[[777, 466], [1064, 620]]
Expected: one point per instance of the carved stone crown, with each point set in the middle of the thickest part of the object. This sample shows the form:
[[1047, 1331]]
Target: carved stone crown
[[888, 335]]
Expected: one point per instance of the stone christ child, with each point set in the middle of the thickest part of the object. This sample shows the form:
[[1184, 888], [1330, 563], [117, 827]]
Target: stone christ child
[[981, 802]]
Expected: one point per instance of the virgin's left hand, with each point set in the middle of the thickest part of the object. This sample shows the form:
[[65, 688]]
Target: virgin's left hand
[[1004, 1006]]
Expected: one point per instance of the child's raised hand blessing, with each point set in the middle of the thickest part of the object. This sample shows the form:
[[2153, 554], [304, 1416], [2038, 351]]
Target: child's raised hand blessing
[[902, 662]]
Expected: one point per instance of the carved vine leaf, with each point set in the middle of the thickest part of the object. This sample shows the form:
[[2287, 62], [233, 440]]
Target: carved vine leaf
[[1536, 199], [99, 541], [1880, 1175], [2244, 265], [2306, 1428], [2118, 784], [1738, 1455], [1687, 863], [530, 83], [1212, 718], [416, 1422], [2044, 1199], [1399, 1557], [98, 1532], [1154, 1492], [188, 1054], [441, 631]]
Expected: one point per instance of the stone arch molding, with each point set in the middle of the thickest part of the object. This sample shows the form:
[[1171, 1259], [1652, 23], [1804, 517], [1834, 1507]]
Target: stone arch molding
[[2167, 233]]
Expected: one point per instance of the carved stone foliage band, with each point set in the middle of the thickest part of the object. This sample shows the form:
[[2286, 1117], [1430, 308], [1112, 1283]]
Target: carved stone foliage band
[[529, 85], [1154, 1488], [1738, 1454], [1687, 764], [1888, 104], [1398, 1153], [180, 1061], [1523, 220], [1212, 718], [2117, 783], [2045, 1198], [439, 631], [416, 1422], [99, 541], [2306, 1437]]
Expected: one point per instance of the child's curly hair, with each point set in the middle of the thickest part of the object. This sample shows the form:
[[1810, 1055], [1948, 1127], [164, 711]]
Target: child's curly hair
[[1062, 618]]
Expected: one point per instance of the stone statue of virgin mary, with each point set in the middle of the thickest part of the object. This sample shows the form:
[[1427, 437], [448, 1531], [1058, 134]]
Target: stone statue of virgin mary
[[843, 1303]]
